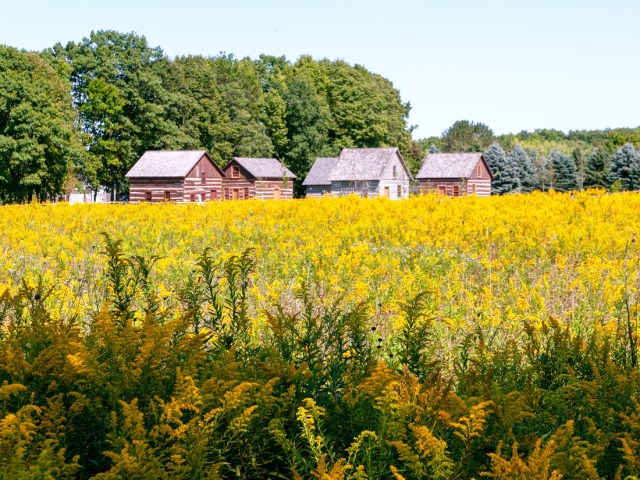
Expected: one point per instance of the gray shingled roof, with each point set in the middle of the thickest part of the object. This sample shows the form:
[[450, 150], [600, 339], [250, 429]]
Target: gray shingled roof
[[320, 172], [362, 163], [165, 163], [449, 165], [264, 167]]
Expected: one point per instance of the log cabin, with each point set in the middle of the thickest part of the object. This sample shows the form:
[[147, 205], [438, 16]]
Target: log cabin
[[455, 174], [370, 172], [317, 181], [175, 176], [261, 178]]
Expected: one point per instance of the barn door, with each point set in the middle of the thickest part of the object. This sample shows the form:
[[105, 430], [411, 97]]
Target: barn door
[[386, 192], [276, 193], [235, 194]]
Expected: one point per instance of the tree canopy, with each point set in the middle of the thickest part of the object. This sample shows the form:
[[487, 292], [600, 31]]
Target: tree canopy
[[38, 144]]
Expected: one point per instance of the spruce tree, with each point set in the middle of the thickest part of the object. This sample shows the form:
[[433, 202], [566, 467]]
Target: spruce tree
[[565, 173], [505, 178], [625, 168], [524, 167], [596, 169]]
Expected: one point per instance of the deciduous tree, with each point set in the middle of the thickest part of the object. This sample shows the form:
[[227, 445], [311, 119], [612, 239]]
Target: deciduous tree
[[37, 138]]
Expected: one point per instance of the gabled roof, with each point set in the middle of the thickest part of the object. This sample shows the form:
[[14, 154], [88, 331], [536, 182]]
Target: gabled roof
[[364, 164], [320, 172], [450, 165], [263, 167], [167, 163]]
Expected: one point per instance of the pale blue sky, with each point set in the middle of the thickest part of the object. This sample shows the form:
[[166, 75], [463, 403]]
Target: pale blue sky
[[514, 65]]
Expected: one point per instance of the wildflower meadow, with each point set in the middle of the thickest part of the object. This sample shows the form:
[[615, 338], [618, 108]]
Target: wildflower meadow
[[337, 338]]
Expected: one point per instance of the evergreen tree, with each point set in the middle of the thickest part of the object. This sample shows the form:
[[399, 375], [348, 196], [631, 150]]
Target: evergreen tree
[[565, 172], [596, 169], [505, 178], [526, 170], [625, 168]]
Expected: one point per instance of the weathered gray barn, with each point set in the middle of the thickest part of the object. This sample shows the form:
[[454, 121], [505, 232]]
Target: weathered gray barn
[[317, 181], [368, 172], [175, 176], [455, 174], [263, 178]]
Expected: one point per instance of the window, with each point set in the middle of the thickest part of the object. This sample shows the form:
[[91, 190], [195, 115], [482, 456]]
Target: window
[[450, 190], [399, 191], [395, 171], [479, 170], [214, 195], [473, 189], [235, 172], [246, 193], [226, 194], [167, 196], [456, 191], [193, 197], [203, 177], [147, 196]]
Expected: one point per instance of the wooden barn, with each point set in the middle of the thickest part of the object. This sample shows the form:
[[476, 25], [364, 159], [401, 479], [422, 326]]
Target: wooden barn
[[455, 174], [175, 176], [317, 181], [262, 178], [370, 172]]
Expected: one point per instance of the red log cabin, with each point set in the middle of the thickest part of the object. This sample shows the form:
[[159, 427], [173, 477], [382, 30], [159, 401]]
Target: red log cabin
[[455, 174], [175, 176], [262, 178]]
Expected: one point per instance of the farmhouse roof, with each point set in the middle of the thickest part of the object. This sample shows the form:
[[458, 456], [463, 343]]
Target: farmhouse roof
[[320, 172], [449, 165], [166, 163], [264, 167], [363, 164]]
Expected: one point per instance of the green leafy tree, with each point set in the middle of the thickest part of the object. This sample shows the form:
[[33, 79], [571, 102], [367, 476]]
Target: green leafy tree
[[565, 173], [596, 169], [272, 73], [219, 104], [625, 168], [38, 143], [306, 122], [121, 101], [466, 136], [365, 109], [524, 167]]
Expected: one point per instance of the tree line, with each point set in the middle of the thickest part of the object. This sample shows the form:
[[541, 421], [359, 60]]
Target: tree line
[[87, 110], [81, 114], [549, 159]]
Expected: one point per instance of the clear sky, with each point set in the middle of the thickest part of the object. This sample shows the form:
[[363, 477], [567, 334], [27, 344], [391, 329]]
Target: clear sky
[[513, 65]]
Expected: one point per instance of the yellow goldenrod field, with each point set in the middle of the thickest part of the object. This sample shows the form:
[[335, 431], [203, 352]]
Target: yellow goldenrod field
[[496, 261], [335, 339]]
